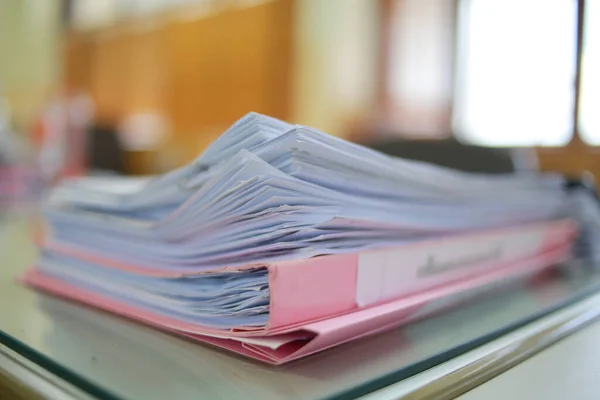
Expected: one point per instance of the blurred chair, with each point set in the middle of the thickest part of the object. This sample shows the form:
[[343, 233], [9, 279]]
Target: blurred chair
[[105, 151], [454, 154]]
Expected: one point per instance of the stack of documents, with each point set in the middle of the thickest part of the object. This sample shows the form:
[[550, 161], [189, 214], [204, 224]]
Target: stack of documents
[[279, 240]]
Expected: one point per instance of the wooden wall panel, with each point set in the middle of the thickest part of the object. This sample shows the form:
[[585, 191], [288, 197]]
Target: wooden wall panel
[[107, 80], [281, 68], [77, 62], [224, 66], [202, 73], [125, 72], [144, 72], [573, 159]]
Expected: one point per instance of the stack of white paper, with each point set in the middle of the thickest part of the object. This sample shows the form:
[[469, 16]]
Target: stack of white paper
[[264, 191]]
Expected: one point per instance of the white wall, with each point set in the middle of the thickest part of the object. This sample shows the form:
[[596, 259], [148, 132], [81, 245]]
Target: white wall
[[29, 53], [335, 62]]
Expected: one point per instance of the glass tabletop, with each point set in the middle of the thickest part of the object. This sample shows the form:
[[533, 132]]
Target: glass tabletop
[[113, 358]]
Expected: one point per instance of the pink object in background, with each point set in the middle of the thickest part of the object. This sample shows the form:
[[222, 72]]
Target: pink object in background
[[60, 135]]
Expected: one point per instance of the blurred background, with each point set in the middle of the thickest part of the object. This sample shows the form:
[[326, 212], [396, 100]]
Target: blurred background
[[142, 86]]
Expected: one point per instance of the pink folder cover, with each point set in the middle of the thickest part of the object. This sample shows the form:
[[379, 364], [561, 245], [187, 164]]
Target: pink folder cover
[[325, 301]]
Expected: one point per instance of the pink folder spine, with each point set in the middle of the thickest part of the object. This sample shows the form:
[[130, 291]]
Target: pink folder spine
[[309, 289]]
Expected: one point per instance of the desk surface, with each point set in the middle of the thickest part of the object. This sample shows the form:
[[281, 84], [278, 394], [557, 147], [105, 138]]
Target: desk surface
[[570, 369], [113, 358]]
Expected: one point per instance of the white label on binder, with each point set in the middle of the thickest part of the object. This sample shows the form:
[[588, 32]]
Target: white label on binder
[[391, 273]]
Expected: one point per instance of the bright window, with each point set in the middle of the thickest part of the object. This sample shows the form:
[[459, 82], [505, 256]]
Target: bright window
[[589, 106], [515, 72]]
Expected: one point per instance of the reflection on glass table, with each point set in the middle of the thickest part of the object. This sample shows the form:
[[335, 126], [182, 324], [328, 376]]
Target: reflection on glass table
[[111, 357]]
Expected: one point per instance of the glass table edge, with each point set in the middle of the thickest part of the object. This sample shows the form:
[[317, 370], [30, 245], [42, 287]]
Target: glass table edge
[[418, 367], [369, 387]]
